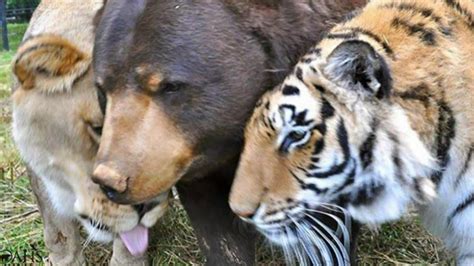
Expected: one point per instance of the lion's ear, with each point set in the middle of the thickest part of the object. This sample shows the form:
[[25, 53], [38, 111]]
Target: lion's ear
[[49, 63]]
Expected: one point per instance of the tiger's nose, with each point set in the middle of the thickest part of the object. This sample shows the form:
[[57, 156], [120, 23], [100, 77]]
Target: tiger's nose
[[112, 183], [243, 212]]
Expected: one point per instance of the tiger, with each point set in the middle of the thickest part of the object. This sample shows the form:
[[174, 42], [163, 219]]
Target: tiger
[[377, 117]]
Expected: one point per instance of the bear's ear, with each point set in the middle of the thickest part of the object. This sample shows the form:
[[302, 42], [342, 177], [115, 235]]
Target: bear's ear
[[49, 63], [355, 66], [98, 15]]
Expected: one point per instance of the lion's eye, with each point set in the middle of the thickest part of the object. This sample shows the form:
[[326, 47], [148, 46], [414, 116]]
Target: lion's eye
[[95, 132], [293, 139]]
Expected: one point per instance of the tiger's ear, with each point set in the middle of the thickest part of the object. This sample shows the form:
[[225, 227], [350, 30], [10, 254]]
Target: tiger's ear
[[355, 66], [49, 63]]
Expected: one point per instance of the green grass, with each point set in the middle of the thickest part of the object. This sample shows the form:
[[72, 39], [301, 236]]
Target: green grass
[[405, 242]]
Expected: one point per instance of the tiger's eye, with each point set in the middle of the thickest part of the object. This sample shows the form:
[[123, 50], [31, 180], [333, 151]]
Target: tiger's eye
[[296, 135]]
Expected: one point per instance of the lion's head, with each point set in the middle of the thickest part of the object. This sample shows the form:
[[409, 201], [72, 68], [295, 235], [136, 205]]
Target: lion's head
[[57, 122]]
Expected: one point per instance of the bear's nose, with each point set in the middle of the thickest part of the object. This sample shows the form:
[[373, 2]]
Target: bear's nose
[[110, 181]]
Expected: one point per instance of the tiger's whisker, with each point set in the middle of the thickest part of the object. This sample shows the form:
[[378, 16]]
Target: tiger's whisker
[[296, 248], [321, 245], [340, 247], [287, 248], [345, 231], [308, 245], [331, 245], [347, 217]]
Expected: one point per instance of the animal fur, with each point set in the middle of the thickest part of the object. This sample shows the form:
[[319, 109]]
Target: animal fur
[[377, 116], [56, 127]]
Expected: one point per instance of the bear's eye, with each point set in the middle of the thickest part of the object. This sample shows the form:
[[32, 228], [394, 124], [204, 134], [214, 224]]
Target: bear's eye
[[171, 87]]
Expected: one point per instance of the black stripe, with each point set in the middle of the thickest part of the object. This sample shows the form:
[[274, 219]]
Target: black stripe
[[416, 183], [366, 149], [319, 88], [463, 11], [465, 166], [344, 36], [375, 37], [335, 170], [299, 73], [297, 178], [315, 188], [290, 90], [343, 139], [353, 32], [349, 179], [426, 35], [306, 60], [461, 207], [319, 146], [267, 105], [425, 12], [344, 144], [304, 170], [419, 93], [300, 119], [264, 121], [270, 124], [396, 157], [322, 128], [305, 186], [327, 110], [445, 132], [313, 166], [315, 51], [366, 195]]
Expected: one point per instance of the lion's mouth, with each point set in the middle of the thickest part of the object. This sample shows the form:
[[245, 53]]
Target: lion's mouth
[[96, 224]]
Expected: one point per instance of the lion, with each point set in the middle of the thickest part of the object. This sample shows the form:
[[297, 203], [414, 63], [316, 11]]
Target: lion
[[57, 123]]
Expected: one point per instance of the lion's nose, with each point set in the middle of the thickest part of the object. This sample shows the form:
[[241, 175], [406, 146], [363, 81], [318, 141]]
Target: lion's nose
[[111, 182]]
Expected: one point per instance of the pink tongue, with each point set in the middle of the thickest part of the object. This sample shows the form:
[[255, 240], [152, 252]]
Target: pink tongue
[[136, 240]]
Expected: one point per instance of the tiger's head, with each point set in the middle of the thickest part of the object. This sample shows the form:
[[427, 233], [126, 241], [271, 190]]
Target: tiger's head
[[330, 138]]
